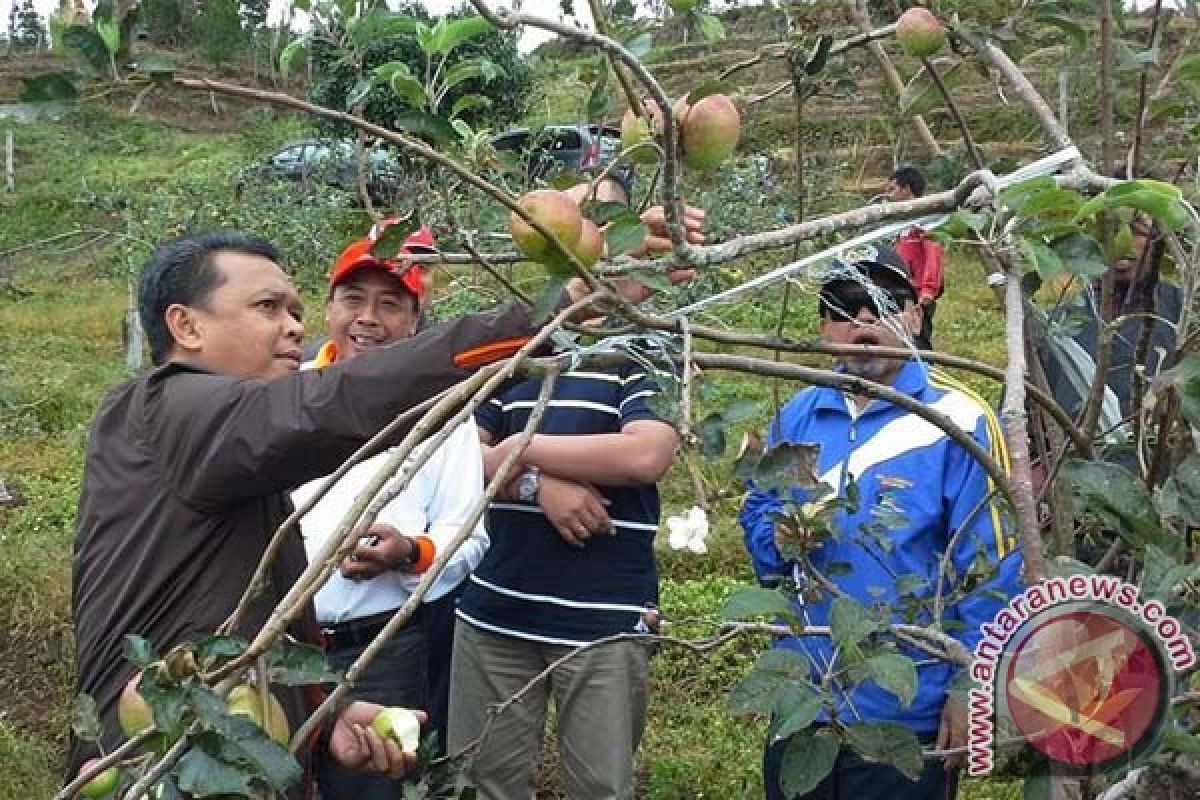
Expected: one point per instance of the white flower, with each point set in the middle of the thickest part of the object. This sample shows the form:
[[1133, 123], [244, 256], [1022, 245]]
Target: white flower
[[689, 531]]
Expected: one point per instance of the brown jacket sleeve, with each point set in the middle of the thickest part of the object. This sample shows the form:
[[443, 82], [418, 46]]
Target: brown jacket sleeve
[[221, 440]]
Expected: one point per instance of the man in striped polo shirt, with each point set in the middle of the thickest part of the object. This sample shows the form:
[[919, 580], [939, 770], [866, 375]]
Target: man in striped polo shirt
[[571, 562]]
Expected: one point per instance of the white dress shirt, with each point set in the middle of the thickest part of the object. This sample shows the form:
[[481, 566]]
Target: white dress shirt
[[436, 503]]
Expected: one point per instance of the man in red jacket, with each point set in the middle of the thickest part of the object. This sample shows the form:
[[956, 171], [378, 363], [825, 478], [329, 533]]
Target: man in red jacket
[[922, 254]]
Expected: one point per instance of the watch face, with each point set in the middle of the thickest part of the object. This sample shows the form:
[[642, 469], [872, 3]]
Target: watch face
[[528, 487]]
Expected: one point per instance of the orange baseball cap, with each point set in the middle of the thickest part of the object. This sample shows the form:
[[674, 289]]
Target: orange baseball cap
[[358, 256]]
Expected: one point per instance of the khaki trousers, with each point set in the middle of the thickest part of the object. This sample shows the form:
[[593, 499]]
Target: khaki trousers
[[599, 699]]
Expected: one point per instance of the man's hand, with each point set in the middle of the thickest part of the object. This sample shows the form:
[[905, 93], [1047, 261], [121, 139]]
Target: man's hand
[[382, 549], [952, 732], [495, 455], [656, 241], [577, 511], [354, 745]]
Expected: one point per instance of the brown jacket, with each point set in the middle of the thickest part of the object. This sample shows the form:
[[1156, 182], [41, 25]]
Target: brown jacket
[[184, 483]]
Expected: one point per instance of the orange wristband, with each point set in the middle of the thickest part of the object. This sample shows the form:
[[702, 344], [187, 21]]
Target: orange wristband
[[426, 552]]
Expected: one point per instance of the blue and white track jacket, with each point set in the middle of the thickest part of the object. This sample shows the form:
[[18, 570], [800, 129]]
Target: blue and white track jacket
[[917, 482]]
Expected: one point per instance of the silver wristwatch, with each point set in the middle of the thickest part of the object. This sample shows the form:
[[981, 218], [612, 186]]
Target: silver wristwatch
[[528, 485]]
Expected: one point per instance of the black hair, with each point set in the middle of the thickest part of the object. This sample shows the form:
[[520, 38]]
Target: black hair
[[912, 178], [184, 271]]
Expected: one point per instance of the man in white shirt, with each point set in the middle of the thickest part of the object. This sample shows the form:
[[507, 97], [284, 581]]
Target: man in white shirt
[[372, 303]]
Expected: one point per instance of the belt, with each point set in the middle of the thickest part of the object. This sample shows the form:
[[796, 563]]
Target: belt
[[360, 631]]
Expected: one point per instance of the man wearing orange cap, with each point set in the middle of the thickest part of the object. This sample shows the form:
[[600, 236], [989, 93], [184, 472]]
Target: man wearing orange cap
[[373, 302]]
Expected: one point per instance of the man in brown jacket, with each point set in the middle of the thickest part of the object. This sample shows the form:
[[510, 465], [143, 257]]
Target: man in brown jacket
[[188, 465]]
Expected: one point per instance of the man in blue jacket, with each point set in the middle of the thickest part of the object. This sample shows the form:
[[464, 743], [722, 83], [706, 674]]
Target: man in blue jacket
[[919, 494]]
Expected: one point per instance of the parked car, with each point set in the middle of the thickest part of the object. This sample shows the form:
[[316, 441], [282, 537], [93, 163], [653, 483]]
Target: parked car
[[572, 148], [330, 162]]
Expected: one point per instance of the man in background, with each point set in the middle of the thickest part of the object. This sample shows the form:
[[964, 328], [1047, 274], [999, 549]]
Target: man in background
[[922, 254]]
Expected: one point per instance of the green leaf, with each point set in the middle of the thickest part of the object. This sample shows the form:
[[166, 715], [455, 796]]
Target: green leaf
[[214, 649], [168, 701], [640, 44], [296, 49], [201, 775], [1081, 255], [378, 24], [606, 212], [625, 233], [1179, 497], [754, 602], [958, 224], [53, 87], [139, 650], [449, 34], [1184, 379], [468, 70], [819, 56], [293, 663], [85, 721], [849, 622], [1162, 573], [156, 66], [711, 431], [548, 297], [427, 126], [1158, 199], [887, 743], [796, 706], [110, 34], [237, 739], [788, 465], [1041, 257], [467, 103], [1181, 741], [896, 673], [710, 27], [775, 669], [392, 239], [807, 759], [1117, 498], [426, 37], [709, 88], [85, 43], [1014, 197], [740, 411], [1074, 32], [1129, 60], [1056, 201], [359, 92]]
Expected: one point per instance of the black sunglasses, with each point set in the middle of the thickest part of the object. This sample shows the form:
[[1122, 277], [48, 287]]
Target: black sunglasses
[[843, 303]]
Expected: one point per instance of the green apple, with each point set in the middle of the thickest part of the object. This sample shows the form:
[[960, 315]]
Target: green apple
[[244, 700], [101, 785], [401, 726], [920, 33]]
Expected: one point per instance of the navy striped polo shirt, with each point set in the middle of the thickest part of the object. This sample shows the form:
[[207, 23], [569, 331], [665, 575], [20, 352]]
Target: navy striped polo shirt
[[532, 584]]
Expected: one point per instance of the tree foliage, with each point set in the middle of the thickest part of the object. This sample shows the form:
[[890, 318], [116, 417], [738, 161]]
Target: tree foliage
[[508, 89]]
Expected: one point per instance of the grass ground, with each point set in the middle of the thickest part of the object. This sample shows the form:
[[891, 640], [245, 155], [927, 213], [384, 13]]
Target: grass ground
[[61, 348]]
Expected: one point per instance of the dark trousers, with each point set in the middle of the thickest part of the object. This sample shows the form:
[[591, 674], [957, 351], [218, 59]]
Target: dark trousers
[[397, 677], [854, 779], [438, 619], [924, 339]]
